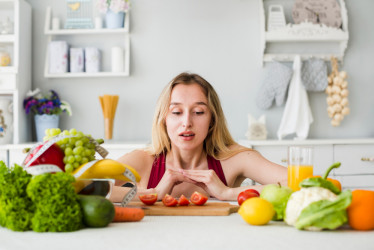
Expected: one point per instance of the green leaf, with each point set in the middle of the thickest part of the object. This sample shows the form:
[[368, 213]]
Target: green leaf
[[280, 210], [57, 206], [325, 214], [16, 209], [319, 182]]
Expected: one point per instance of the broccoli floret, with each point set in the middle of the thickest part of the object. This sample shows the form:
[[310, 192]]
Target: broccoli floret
[[16, 208], [57, 207]]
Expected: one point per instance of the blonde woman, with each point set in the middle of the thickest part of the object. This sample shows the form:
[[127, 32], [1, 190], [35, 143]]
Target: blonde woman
[[192, 149]]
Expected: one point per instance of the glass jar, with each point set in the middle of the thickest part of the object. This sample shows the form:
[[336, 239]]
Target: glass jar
[[4, 57], [7, 27]]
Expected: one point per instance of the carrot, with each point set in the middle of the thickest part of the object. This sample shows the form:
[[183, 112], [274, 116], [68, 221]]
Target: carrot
[[123, 214]]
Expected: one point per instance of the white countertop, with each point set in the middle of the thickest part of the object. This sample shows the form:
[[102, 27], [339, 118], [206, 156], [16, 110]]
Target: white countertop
[[188, 232]]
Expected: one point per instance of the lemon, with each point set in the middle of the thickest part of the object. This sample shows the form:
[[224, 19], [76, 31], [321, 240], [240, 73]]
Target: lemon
[[256, 211]]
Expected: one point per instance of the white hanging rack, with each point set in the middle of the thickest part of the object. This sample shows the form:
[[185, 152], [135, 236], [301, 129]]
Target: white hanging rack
[[291, 57], [305, 35]]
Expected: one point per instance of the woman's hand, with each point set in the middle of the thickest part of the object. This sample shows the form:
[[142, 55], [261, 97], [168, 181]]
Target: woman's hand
[[171, 178], [209, 181]]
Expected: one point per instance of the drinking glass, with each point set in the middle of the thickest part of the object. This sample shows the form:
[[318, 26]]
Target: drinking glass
[[300, 165]]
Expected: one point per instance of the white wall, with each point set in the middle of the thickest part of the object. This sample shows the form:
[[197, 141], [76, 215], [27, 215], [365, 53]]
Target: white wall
[[218, 40]]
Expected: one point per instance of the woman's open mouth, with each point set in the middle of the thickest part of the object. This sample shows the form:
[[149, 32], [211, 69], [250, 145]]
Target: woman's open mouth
[[187, 135]]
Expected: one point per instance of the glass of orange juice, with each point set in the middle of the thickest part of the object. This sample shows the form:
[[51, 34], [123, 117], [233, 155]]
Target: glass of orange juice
[[300, 165]]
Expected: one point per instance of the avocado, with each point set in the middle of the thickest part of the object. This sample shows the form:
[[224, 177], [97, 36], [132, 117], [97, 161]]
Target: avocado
[[97, 211]]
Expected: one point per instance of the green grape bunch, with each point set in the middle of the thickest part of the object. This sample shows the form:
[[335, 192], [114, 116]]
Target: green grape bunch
[[78, 150]]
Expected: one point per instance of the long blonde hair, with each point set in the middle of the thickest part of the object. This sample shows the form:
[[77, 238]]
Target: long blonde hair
[[218, 140]]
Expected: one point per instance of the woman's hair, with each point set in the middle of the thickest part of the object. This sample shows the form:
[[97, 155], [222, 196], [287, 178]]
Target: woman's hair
[[218, 139]]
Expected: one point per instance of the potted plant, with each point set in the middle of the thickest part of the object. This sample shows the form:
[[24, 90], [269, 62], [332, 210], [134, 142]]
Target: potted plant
[[114, 11], [46, 108]]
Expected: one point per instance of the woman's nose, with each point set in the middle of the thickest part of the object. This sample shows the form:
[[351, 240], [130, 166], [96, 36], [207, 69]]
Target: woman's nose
[[187, 121]]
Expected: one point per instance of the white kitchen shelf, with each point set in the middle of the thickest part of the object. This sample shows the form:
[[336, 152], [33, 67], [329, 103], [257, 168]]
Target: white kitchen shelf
[[306, 35], [8, 69], [52, 34], [49, 31], [7, 91], [7, 38], [83, 75], [15, 80]]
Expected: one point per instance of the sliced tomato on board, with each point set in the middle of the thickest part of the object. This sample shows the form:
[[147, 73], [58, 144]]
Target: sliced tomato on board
[[198, 198], [148, 199], [169, 201], [247, 194], [183, 201]]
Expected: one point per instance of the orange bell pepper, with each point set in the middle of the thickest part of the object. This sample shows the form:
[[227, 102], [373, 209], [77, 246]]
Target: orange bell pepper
[[335, 182]]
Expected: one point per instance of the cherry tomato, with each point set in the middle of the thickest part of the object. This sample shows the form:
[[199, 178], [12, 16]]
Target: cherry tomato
[[169, 201], [148, 199], [198, 198], [245, 195], [183, 201]]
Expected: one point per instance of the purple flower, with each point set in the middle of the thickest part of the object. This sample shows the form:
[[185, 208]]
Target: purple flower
[[49, 103]]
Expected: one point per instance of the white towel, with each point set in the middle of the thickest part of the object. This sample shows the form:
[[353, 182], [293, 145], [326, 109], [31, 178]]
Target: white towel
[[297, 115]]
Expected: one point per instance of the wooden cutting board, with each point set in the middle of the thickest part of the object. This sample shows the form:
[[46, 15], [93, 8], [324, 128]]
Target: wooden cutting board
[[208, 209]]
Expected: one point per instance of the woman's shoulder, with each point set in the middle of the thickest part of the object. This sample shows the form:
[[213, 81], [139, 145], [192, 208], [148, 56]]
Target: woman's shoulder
[[138, 158], [140, 153], [238, 152], [237, 146]]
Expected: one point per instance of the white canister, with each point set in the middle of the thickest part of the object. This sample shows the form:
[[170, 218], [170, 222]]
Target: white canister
[[6, 121], [55, 23], [4, 58], [98, 23], [117, 59]]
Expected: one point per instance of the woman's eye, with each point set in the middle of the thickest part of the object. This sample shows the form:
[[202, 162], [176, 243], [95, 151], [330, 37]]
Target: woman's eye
[[199, 112], [176, 113]]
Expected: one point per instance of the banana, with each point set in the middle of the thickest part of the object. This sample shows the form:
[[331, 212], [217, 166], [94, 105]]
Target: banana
[[105, 169]]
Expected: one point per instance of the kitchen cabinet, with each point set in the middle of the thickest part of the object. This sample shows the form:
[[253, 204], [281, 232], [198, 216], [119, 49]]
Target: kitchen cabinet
[[357, 170], [356, 157], [103, 39], [15, 78], [4, 155], [16, 153], [322, 155], [306, 38]]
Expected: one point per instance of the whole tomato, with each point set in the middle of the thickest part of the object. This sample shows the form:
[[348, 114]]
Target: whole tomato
[[245, 195]]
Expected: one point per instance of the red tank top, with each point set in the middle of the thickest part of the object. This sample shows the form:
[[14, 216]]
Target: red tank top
[[158, 170]]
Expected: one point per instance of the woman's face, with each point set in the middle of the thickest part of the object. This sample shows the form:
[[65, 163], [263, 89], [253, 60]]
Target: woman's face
[[188, 118]]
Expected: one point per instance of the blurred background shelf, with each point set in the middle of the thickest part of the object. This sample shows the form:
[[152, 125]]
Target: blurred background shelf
[[306, 39], [83, 38], [15, 79]]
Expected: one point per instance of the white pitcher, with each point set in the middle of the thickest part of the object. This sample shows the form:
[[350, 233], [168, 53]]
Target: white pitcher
[[6, 121]]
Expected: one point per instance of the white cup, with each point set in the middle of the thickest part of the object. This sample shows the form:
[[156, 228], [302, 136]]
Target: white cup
[[55, 23], [98, 23], [117, 59]]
